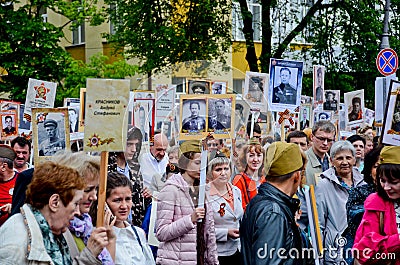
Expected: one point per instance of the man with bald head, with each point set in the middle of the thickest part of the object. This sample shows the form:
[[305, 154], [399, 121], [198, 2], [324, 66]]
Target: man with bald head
[[156, 160]]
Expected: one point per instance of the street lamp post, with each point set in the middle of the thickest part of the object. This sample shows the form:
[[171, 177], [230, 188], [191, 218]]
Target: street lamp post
[[385, 34]]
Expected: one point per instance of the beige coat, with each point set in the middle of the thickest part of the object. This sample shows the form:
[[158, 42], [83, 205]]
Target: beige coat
[[21, 242]]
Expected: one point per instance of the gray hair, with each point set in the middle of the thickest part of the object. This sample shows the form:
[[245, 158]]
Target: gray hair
[[173, 149], [340, 146], [324, 126], [216, 162]]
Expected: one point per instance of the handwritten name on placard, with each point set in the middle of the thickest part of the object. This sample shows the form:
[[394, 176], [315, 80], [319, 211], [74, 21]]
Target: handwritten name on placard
[[106, 106]]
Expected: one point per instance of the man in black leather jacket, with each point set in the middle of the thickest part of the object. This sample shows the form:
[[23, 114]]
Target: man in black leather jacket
[[269, 233]]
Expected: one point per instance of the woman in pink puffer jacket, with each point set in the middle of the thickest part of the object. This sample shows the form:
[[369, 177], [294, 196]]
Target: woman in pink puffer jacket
[[177, 228]]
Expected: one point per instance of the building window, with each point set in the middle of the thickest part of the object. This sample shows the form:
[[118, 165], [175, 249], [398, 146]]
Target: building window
[[238, 85], [113, 9], [78, 34], [237, 21], [43, 14], [180, 83]]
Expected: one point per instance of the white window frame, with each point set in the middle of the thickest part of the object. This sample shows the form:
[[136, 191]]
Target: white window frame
[[78, 34]]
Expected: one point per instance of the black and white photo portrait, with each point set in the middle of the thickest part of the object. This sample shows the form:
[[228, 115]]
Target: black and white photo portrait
[[194, 113], [331, 100], [285, 84], [219, 114]]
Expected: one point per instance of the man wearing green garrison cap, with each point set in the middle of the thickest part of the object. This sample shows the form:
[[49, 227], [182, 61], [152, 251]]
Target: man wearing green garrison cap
[[269, 232]]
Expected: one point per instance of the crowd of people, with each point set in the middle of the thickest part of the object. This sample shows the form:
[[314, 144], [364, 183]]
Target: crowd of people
[[254, 211]]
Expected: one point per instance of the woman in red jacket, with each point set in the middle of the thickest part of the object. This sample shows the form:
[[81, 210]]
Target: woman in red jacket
[[252, 177], [377, 239]]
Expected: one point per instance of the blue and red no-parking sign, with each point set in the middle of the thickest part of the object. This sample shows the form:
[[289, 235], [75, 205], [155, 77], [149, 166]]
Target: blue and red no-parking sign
[[387, 62]]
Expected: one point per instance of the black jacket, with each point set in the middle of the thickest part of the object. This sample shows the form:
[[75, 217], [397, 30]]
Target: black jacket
[[269, 223]]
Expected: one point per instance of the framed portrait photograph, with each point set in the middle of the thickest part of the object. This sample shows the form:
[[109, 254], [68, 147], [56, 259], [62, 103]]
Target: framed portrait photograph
[[391, 123], [144, 117], [198, 86], [51, 132], [285, 84], [354, 107], [305, 117], [9, 124], [82, 102], [73, 105], [382, 86], [192, 117], [323, 115], [369, 117], [331, 100], [318, 84], [221, 115], [255, 90], [219, 87]]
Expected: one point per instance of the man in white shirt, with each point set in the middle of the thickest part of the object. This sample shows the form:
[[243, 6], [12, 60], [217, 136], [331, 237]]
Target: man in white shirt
[[154, 162]]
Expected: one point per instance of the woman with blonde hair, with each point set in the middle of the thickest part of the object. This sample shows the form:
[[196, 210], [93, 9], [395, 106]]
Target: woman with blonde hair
[[226, 202], [251, 177]]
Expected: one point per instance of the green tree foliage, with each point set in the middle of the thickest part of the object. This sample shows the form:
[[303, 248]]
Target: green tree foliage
[[162, 33], [78, 71], [29, 47]]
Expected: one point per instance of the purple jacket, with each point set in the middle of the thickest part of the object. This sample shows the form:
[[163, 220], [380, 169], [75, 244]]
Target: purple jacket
[[174, 227], [368, 238]]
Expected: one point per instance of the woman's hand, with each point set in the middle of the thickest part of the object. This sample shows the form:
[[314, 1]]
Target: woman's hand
[[146, 193], [101, 237], [233, 233], [97, 240], [198, 213]]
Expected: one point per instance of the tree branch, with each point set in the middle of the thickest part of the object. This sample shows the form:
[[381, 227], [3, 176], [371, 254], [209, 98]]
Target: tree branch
[[303, 23], [247, 17]]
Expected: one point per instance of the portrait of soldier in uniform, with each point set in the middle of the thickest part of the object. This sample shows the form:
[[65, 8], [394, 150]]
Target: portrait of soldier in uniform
[[198, 87], [218, 88], [194, 122], [255, 92], [319, 80], [330, 102], [284, 93], [218, 114], [53, 143]]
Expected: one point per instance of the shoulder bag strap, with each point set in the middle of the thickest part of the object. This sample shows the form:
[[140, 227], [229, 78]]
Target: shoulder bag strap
[[137, 237]]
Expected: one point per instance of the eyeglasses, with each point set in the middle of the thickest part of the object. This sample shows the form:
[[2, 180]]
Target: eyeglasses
[[209, 145], [322, 139]]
